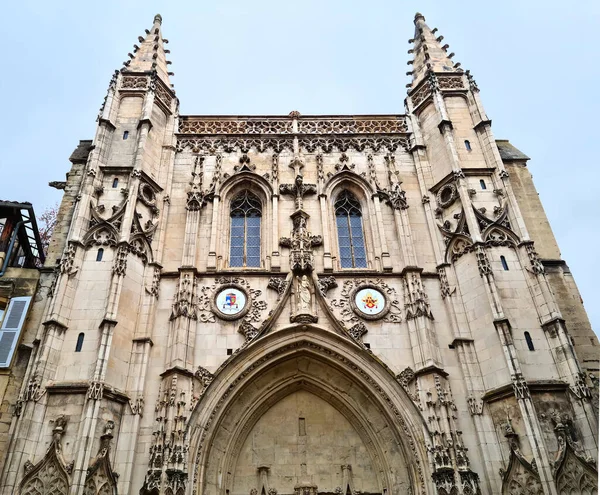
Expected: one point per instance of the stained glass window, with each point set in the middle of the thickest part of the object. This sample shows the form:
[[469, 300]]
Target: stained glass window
[[351, 239], [246, 211]]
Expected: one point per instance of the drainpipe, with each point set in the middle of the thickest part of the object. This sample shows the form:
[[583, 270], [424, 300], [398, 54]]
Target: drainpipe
[[10, 247]]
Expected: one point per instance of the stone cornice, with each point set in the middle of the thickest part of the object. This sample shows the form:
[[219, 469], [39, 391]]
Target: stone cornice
[[81, 387], [539, 386], [177, 370]]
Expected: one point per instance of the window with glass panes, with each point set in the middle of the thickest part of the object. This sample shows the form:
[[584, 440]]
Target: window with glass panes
[[351, 240], [246, 211]]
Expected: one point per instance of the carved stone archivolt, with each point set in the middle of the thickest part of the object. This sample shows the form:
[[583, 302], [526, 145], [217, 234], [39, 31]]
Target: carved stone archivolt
[[50, 475], [213, 415]]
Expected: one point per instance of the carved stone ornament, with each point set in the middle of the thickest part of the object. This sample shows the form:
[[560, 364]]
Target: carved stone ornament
[[298, 190], [205, 377], [357, 331], [196, 197], [447, 195], [326, 284], [475, 406], [483, 262], [520, 386], [536, 265], [68, 259], [301, 243], [51, 475], [95, 390], [248, 330], [231, 302], [350, 313], [279, 285], [416, 302], [207, 306], [405, 377], [184, 304], [369, 302], [521, 477], [120, 263], [574, 471], [580, 387], [100, 478], [278, 144], [169, 448], [445, 288]]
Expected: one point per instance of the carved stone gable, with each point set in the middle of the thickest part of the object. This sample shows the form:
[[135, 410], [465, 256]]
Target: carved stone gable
[[51, 475]]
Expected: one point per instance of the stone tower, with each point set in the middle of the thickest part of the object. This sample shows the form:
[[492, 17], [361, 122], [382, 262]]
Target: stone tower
[[303, 304]]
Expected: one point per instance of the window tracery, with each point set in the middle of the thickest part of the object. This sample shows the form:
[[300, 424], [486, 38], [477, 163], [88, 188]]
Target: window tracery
[[351, 239], [245, 213]]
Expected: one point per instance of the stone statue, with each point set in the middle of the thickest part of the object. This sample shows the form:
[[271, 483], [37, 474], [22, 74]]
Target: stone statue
[[303, 293]]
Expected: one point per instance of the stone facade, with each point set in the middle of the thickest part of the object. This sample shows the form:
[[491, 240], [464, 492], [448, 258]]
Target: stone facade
[[304, 304]]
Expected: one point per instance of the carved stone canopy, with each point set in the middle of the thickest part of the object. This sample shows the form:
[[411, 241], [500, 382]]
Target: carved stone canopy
[[301, 243]]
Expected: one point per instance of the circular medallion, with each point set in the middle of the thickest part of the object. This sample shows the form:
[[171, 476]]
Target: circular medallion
[[369, 302], [230, 302], [447, 195]]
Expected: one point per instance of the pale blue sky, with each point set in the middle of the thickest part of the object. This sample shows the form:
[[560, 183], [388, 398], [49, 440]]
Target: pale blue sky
[[536, 63]]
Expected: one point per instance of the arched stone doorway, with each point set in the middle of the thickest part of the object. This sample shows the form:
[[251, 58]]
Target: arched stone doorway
[[306, 407]]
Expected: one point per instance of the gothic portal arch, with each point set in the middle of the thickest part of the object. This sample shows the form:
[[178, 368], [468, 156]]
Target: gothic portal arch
[[245, 432]]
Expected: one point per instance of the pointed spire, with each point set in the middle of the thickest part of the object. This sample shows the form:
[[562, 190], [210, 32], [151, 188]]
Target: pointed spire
[[428, 52], [149, 53]]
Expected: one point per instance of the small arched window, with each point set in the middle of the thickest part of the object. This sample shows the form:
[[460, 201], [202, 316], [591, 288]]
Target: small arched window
[[246, 211], [79, 344], [529, 341], [115, 183], [482, 184], [125, 135], [504, 263], [99, 254], [351, 239], [468, 145]]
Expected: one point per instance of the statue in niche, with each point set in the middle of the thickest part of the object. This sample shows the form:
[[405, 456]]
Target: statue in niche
[[303, 300], [303, 293]]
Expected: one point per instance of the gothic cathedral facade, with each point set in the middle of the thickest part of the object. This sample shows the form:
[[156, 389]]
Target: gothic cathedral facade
[[304, 305]]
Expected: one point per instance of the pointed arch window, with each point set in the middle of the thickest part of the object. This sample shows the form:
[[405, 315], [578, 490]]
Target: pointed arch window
[[351, 239], [246, 212]]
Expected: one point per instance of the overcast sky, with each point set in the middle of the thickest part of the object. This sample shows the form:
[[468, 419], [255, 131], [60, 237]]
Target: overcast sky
[[536, 63]]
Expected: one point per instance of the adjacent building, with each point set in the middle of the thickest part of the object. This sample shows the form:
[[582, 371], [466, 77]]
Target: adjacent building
[[21, 257], [302, 304]]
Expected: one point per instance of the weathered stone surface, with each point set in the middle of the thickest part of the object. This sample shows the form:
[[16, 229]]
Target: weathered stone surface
[[231, 351]]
